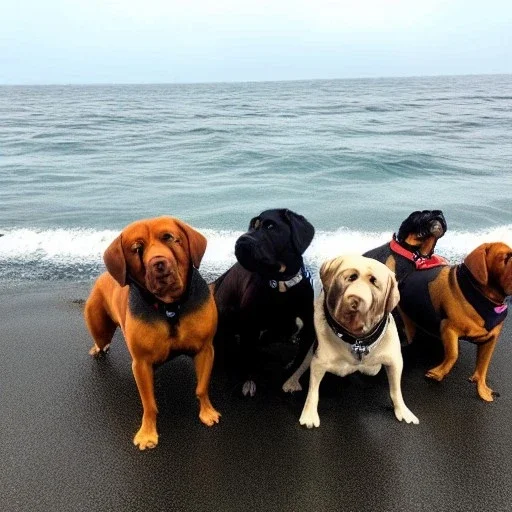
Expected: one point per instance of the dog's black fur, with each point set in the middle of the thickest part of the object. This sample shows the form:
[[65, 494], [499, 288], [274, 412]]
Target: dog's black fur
[[250, 308], [420, 229]]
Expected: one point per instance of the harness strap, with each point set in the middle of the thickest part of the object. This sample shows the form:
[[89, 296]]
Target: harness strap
[[492, 312], [421, 262]]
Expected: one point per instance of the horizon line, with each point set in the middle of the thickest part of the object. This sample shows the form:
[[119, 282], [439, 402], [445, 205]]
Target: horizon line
[[232, 82]]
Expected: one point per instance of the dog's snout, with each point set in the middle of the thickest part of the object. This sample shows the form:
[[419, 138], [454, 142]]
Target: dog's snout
[[436, 229], [159, 265], [353, 302]]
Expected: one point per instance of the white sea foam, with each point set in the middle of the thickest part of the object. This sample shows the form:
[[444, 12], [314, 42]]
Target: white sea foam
[[36, 253]]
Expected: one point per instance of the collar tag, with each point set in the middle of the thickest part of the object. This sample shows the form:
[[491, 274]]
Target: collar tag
[[360, 350], [303, 273]]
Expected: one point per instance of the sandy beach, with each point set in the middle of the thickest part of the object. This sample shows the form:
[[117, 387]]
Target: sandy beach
[[67, 423]]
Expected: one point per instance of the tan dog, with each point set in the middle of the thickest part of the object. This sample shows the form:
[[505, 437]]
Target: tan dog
[[464, 301], [355, 330], [155, 294]]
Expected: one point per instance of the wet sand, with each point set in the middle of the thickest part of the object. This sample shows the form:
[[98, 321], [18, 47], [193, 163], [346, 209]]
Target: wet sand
[[67, 423]]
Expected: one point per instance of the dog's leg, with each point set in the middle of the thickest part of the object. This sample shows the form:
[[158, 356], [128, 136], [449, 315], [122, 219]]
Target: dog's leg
[[402, 412], [203, 362], [451, 352], [309, 416], [147, 436], [483, 358], [293, 384], [409, 326], [99, 323], [248, 353]]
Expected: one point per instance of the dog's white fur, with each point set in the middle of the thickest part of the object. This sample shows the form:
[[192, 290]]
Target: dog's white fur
[[373, 294]]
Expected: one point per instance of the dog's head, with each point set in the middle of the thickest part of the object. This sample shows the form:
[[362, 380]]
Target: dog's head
[[421, 230], [359, 291], [275, 242], [491, 265], [156, 253]]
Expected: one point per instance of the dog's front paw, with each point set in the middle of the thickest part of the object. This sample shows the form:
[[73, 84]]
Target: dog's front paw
[[292, 385], [145, 438], [209, 416], [97, 352], [309, 419], [249, 388], [404, 414]]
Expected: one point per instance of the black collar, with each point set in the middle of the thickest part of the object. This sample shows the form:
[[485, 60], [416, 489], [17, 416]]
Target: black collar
[[171, 310], [284, 283], [492, 312], [360, 346]]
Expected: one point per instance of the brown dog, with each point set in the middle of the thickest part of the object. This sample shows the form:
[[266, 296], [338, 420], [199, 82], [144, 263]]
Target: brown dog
[[155, 294], [464, 301]]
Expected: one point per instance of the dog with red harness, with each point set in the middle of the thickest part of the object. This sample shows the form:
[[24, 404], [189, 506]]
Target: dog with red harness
[[412, 247]]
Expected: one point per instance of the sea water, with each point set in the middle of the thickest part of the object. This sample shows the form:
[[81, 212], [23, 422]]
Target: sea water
[[355, 157]]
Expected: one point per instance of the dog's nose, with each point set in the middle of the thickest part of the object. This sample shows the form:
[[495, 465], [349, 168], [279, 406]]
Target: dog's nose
[[436, 229], [159, 265], [353, 302]]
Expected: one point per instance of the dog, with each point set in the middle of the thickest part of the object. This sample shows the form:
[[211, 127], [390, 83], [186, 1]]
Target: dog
[[355, 330], [465, 301], [153, 291], [412, 248], [265, 293]]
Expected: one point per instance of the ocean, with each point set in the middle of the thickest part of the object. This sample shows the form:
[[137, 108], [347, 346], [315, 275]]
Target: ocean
[[355, 157]]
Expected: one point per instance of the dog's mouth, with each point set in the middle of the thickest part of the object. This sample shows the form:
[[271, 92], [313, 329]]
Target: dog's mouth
[[253, 259], [163, 281], [354, 323]]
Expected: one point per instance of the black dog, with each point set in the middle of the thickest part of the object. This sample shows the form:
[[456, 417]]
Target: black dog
[[265, 293], [412, 248]]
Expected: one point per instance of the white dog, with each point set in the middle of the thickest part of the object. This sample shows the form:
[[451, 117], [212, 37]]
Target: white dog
[[355, 331]]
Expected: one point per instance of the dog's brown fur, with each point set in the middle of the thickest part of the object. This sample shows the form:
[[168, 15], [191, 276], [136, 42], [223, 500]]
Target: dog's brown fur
[[145, 253], [491, 266]]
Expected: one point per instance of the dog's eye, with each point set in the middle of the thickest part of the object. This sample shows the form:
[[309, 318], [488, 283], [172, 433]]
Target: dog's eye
[[166, 237], [137, 248], [352, 277], [373, 280], [269, 226]]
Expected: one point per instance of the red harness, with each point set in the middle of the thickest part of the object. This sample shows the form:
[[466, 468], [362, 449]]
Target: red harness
[[421, 262]]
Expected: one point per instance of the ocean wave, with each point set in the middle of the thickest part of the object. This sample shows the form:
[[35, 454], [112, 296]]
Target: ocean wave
[[77, 253]]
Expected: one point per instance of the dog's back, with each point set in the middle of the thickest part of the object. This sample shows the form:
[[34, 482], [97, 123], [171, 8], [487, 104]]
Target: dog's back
[[416, 301], [400, 265]]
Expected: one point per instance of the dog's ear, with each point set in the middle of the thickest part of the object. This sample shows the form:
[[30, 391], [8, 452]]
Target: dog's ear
[[196, 242], [476, 261], [302, 231], [393, 295], [115, 261], [328, 271]]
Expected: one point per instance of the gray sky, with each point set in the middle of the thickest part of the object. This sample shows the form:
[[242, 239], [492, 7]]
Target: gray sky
[[157, 41]]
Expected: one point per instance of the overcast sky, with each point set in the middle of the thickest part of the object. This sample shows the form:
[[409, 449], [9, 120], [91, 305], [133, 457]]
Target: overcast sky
[[158, 41]]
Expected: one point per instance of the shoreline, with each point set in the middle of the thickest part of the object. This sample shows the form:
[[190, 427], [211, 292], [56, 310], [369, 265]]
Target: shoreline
[[67, 423]]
